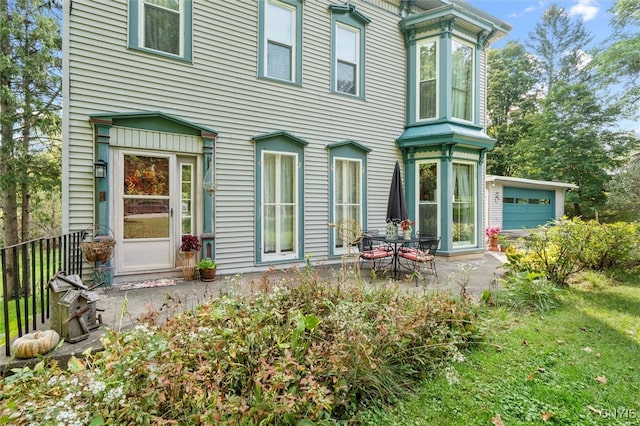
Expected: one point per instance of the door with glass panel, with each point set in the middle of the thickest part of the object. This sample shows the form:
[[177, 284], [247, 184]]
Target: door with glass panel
[[154, 208], [464, 201], [428, 190]]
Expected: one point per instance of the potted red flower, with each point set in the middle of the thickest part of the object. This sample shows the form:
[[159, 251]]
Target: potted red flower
[[406, 226], [492, 233], [189, 247]]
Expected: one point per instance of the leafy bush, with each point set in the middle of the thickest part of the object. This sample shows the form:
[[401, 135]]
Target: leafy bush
[[570, 246], [299, 350], [528, 291]]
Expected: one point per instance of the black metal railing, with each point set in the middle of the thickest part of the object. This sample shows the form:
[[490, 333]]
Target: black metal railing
[[27, 269]]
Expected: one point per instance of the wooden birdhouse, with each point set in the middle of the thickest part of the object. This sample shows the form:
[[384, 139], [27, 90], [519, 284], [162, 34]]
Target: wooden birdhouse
[[73, 308]]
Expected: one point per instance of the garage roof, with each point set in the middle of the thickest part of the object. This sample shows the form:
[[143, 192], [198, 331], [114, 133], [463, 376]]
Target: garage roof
[[529, 183]]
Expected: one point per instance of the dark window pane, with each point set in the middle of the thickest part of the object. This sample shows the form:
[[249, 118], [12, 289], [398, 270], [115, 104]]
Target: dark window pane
[[428, 99], [346, 78], [161, 29], [279, 61]]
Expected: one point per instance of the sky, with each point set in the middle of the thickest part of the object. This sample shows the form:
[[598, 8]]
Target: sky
[[523, 15]]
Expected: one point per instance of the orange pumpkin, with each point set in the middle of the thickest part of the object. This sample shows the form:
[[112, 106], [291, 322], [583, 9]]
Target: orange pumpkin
[[33, 344]]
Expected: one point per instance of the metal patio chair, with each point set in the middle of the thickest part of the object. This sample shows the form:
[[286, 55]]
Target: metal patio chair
[[423, 254]]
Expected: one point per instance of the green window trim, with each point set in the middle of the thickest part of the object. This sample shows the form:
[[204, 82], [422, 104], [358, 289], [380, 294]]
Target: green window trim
[[427, 93], [345, 19], [463, 81], [465, 203], [346, 151], [296, 46], [451, 50], [275, 146], [136, 30]]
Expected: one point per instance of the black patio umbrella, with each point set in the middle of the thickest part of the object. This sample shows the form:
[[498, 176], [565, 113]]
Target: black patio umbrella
[[396, 206]]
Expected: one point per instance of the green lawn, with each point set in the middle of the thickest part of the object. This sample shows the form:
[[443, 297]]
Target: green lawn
[[578, 364], [13, 324]]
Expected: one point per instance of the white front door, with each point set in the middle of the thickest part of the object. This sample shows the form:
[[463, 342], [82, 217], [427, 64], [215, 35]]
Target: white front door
[[151, 209]]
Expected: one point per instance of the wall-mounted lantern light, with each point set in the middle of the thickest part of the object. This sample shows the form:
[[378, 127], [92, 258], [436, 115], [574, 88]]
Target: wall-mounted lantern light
[[100, 169]]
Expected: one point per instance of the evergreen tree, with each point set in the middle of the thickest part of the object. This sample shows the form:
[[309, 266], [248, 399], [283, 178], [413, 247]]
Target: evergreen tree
[[30, 89], [570, 138], [510, 84], [30, 84], [619, 63], [560, 45]]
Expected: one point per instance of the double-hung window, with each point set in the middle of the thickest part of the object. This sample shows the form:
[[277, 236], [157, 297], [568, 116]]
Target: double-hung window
[[161, 26], [347, 59], [462, 67], [279, 204], [347, 193], [281, 40], [428, 79], [347, 50], [279, 197]]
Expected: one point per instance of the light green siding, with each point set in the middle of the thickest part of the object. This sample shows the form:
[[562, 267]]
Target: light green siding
[[220, 89], [124, 137]]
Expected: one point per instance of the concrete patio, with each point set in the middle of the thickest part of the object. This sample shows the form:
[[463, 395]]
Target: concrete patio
[[123, 309]]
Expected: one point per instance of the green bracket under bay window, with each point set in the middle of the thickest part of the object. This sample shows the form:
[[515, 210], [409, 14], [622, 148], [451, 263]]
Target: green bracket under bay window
[[279, 197], [280, 40], [347, 189], [347, 50]]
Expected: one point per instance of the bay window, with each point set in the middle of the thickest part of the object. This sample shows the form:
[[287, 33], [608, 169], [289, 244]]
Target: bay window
[[428, 82], [464, 202], [462, 80], [428, 199]]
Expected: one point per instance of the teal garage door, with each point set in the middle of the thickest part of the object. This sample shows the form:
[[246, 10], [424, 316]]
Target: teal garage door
[[527, 208]]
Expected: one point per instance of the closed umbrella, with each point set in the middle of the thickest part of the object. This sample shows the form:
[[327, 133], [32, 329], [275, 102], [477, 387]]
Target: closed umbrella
[[396, 206]]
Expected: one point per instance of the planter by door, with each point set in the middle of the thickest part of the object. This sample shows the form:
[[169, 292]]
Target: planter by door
[[188, 265], [493, 244], [208, 274]]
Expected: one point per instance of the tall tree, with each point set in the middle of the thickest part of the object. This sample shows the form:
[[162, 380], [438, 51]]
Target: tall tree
[[570, 140], [559, 43], [30, 84], [510, 85], [620, 61], [624, 190]]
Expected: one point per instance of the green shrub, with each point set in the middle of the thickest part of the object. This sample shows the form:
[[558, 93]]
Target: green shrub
[[300, 350], [528, 291], [570, 246]]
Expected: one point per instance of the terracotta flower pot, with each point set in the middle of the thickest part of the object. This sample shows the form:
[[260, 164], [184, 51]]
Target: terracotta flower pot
[[493, 244], [208, 274]]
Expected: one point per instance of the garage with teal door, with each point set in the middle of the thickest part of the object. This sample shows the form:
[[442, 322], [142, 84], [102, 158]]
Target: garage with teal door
[[527, 208]]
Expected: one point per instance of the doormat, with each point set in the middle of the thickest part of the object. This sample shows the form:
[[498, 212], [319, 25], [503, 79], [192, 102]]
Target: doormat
[[164, 282]]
